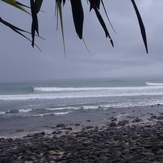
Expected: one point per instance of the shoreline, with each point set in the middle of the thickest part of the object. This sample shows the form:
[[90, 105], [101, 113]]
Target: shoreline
[[76, 120], [117, 139]]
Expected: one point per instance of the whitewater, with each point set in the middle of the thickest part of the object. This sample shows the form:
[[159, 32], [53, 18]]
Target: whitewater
[[24, 102]]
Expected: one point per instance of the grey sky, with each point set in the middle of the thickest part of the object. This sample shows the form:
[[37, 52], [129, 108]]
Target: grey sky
[[20, 62]]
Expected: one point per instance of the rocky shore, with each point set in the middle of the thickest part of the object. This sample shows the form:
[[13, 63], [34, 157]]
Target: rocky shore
[[121, 141]]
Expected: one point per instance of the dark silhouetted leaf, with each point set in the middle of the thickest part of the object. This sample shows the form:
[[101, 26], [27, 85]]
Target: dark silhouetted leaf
[[142, 28], [59, 9], [34, 27], [94, 4], [78, 16], [107, 15], [17, 30], [38, 4], [16, 4], [103, 25]]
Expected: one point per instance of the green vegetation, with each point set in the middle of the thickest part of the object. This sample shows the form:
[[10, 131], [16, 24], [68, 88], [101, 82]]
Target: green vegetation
[[78, 17]]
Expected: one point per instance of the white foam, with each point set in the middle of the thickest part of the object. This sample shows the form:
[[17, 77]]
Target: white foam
[[52, 89], [154, 84], [62, 108], [24, 110], [91, 92], [46, 114], [62, 113], [41, 115], [90, 107], [1, 113]]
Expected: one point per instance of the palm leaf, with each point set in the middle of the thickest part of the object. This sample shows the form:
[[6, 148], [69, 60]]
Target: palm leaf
[[38, 4], [95, 4], [16, 4], [141, 25], [16, 29], [59, 9], [107, 16], [103, 25], [34, 27], [78, 16]]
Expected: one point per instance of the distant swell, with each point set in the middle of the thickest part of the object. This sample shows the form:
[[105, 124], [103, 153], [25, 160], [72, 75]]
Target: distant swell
[[86, 92], [154, 84], [58, 89]]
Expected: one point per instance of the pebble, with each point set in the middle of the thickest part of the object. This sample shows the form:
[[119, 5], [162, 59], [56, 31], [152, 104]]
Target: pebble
[[116, 143]]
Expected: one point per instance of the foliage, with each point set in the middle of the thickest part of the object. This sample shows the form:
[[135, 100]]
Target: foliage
[[78, 17]]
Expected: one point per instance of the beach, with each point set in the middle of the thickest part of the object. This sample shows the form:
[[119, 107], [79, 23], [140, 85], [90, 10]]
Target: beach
[[122, 135], [82, 121]]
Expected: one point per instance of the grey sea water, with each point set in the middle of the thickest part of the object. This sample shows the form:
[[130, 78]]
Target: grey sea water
[[32, 106]]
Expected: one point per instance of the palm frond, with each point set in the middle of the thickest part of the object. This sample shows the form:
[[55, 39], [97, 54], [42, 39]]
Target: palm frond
[[34, 27], [38, 4], [17, 30], [16, 4], [142, 28], [59, 9], [95, 4], [78, 16], [107, 16]]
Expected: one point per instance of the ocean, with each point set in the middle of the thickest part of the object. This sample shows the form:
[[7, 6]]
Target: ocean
[[32, 106]]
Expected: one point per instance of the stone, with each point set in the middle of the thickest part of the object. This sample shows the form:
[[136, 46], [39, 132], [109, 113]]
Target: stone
[[123, 122], [136, 120], [113, 124], [77, 124], [60, 125]]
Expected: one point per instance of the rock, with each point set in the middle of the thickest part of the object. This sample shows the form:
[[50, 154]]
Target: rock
[[153, 116], [5, 160], [42, 133], [60, 125], [113, 119], [113, 124], [17, 162], [136, 120], [89, 127], [68, 128], [160, 117], [123, 122], [133, 144], [77, 124], [159, 156], [147, 154]]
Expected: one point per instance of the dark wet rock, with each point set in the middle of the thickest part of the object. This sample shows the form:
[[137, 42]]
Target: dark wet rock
[[160, 117], [131, 117], [17, 162], [57, 132], [60, 125], [77, 124], [136, 120], [113, 124], [123, 122], [118, 144], [68, 128], [113, 119], [89, 127], [154, 116], [5, 160]]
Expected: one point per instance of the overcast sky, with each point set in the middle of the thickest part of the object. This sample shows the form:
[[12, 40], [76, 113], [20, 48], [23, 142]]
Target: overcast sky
[[20, 62]]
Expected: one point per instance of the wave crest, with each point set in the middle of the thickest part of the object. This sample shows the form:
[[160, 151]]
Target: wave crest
[[154, 84]]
